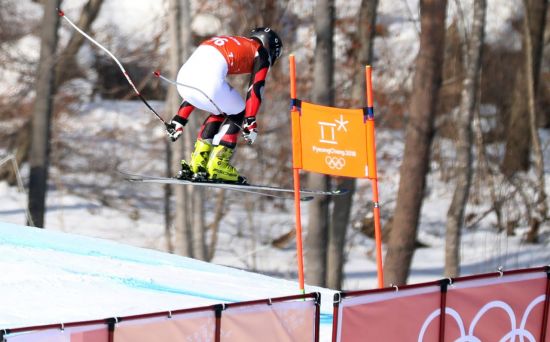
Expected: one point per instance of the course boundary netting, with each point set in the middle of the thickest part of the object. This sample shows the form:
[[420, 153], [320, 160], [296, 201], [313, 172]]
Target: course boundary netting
[[499, 306], [290, 318]]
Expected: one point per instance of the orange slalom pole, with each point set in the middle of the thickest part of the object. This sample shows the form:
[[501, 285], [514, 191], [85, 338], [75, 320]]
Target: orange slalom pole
[[371, 156], [296, 165]]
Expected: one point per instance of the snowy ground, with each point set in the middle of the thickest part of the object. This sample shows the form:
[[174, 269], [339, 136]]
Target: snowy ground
[[49, 277]]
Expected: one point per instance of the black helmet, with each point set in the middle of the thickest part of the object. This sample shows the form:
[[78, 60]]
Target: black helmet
[[270, 40]]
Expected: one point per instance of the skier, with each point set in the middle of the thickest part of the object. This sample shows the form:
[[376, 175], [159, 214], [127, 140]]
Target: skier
[[202, 84]]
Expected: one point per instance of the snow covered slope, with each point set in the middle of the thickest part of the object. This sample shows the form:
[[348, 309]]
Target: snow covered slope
[[53, 277]]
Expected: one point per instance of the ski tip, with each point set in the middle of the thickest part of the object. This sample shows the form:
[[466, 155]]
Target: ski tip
[[156, 73], [306, 198], [60, 12], [133, 178], [130, 177]]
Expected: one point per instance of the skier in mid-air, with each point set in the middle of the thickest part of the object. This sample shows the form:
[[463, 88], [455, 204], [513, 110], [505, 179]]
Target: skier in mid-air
[[202, 84]]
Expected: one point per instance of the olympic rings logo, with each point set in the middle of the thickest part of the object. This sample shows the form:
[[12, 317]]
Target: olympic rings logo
[[335, 163], [468, 335]]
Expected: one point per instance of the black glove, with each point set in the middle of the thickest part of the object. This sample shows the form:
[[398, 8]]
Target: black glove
[[250, 130], [175, 127]]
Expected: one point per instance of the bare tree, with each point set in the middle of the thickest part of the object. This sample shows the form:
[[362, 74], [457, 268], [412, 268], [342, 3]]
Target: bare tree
[[535, 10], [516, 157], [66, 68], [182, 232], [67, 65], [196, 196], [470, 86], [418, 138], [42, 114], [315, 242], [342, 204], [167, 198], [189, 227]]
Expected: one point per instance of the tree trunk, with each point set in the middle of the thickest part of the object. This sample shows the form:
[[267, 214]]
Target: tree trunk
[[418, 139], [179, 26], [42, 114], [198, 224], [536, 25], [315, 242], [544, 89], [67, 64], [337, 235], [316, 239], [468, 101], [195, 195], [365, 38], [168, 196], [533, 56], [343, 204], [516, 157]]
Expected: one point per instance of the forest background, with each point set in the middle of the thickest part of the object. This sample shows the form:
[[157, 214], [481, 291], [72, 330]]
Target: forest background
[[462, 113]]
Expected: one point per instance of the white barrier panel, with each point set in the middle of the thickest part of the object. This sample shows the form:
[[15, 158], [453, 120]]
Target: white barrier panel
[[278, 322], [292, 318], [194, 326], [88, 333]]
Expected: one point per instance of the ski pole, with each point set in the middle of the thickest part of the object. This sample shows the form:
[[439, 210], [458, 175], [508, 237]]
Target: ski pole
[[62, 15]]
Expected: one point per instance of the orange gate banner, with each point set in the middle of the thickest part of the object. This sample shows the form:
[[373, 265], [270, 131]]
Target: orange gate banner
[[333, 141]]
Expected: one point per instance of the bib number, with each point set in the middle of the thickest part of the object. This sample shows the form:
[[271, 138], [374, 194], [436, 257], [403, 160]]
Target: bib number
[[219, 41]]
